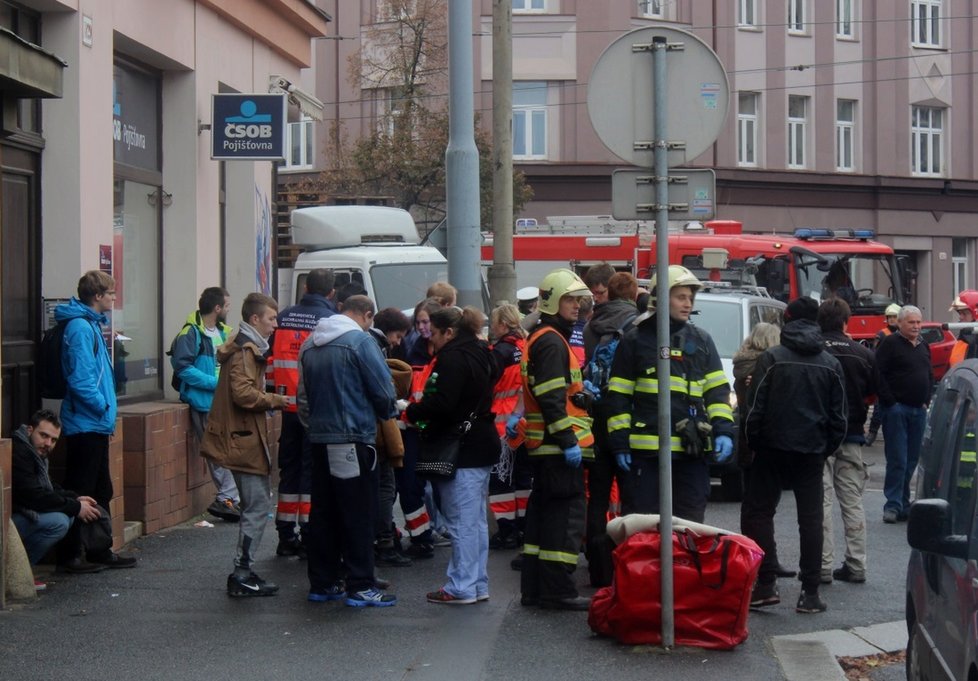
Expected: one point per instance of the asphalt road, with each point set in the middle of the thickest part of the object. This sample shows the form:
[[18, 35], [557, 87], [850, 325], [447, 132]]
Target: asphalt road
[[170, 618]]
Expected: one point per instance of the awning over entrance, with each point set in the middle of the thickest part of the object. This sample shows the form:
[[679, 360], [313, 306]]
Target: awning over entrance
[[27, 70]]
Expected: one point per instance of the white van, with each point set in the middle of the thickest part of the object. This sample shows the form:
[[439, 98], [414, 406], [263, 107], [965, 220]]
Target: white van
[[375, 246]]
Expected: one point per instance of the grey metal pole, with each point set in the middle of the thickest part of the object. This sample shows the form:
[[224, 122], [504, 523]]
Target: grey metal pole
[[502, 273], [462, 161], [662, 367]]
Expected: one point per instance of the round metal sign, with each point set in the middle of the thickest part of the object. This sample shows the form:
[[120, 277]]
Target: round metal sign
[[620, 96]]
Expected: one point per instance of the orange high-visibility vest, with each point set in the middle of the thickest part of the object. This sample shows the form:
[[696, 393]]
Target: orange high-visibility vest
[[506, 393], [576, 418]]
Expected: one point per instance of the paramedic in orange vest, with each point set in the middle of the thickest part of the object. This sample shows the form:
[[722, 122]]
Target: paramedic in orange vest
[[294, 464], [558, 438], [966, 305], [509, 484]]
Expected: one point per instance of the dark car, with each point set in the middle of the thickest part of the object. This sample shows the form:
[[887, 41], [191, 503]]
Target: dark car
[[941, 343], [942, 529]]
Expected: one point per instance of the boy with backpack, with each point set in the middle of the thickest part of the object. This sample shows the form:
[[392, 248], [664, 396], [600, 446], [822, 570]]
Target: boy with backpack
[[602, 334], [195, 372], [88, 410]]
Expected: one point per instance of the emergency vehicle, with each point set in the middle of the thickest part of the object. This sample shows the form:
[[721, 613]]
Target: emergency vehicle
[[817, 262]]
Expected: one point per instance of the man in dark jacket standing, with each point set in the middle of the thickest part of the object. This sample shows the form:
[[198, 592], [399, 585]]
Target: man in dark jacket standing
[[845, 473], [796, 418], [906, 377], [44, 513]]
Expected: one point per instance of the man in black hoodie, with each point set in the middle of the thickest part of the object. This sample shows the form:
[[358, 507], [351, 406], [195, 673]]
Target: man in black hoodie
[[42, 511], [796, 418]]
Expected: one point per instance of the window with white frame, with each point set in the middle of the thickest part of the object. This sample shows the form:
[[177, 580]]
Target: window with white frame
[[529, 120], [529, 5], [747, 13], [797, 130], [926, 140], [796, 16], [299, 139], [925, 23], [393, 110], [844, 19], [959, 264], [747, 107], [650, 8], [845, 135]]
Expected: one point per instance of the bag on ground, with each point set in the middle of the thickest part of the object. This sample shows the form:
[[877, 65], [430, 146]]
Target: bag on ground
[[712, 577]]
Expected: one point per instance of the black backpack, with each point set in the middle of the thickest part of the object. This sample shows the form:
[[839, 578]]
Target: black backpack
[[175, 381], [52, 379]]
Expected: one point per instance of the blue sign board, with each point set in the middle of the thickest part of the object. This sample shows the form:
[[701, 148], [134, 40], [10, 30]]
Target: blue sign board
[[248, 127]]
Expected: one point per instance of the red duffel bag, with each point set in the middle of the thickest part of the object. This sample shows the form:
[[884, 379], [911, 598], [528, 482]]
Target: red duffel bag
[[712, 576]]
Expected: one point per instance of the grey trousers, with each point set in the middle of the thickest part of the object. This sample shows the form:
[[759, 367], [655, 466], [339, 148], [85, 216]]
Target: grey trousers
[[256, 504], [223, 480]]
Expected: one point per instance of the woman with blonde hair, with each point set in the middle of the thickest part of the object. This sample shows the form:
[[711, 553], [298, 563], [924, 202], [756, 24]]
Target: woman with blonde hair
[[762, 337], [509, 484]]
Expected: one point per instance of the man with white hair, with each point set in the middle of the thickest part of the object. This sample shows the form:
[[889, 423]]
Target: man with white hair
[[906, 378]]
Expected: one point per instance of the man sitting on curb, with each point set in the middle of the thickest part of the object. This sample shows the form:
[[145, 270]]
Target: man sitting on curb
[[43, 512]]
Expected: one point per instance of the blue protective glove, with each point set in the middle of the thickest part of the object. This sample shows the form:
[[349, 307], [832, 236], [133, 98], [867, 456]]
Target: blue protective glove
[[723, 448], [511, 424], [593, 389], [573, 456], [624, 461]]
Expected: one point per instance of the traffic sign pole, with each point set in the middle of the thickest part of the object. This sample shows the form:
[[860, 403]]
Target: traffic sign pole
[[662, 369]]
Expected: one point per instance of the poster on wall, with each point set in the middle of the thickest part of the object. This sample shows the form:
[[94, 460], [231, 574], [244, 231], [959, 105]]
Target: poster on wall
[[263, 242], [105, 258]]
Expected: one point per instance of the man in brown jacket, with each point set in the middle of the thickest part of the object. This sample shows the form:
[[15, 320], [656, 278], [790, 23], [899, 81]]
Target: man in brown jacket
[[237, 433]]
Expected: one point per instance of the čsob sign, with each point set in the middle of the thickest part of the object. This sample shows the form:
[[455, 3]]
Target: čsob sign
[[248, 127]]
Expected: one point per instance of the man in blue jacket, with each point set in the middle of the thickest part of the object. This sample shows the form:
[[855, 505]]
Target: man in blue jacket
[[192, 356], [344, 389], [88, 410]]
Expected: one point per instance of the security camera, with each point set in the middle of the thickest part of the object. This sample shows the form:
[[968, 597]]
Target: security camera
[[279, 84]]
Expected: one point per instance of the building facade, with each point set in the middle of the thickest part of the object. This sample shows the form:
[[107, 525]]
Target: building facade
[[115, 170], [849, 113]]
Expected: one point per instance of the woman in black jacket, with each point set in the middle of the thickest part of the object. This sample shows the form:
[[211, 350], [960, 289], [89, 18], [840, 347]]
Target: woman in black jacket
[[458, 396]]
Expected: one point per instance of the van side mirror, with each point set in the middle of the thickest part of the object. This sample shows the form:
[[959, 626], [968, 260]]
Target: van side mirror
[[929, 529]]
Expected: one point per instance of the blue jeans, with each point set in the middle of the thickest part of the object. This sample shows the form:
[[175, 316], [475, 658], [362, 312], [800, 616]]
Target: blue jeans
[[463, 502], [40, 535], [903, 433]]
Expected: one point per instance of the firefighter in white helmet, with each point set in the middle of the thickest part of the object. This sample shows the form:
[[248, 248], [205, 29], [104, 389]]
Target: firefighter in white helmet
[[702, 419], [558, 437]]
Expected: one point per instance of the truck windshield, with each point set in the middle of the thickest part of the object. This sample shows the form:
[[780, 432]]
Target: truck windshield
[[867, 282], [403, 285]]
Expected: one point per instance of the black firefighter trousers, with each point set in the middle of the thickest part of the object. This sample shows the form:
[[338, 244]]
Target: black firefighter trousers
[[554, 530]]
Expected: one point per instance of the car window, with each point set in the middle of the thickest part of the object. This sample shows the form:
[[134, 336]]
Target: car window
[[962, 496], [765, 313], [938, 440], [932, 334]]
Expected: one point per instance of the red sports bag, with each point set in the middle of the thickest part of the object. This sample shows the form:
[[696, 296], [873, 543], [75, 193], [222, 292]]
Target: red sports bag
[[713, 577]]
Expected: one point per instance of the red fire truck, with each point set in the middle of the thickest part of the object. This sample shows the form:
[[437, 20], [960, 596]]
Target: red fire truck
[[816, 262]]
